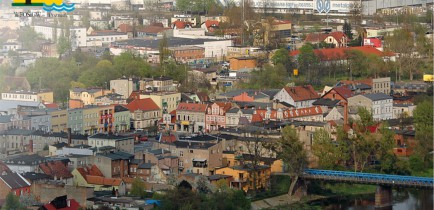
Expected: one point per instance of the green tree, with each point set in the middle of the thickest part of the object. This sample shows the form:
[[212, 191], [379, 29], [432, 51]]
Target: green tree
[[358, 63], [129, 64], [291, 151], [402, 43], [307, 60], [365, 120], [267, 77], [28, 36], [12, 202], [138, 188], [63, 46], [423, 120], [347, 30], [281, 56], [163, 49], [325, 149]]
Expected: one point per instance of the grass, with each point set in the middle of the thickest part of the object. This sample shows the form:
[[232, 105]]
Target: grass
[[427, 173], [350, 189]]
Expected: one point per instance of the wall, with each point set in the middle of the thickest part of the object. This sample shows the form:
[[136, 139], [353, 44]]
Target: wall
[[46, 192]]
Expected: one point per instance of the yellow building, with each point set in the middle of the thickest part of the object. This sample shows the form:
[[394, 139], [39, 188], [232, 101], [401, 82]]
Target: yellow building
[[243, 176], [167, 101], [87, 96], [59, 120], [98, 119]]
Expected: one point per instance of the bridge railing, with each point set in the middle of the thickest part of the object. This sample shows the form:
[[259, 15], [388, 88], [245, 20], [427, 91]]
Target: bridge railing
[[369, 177]]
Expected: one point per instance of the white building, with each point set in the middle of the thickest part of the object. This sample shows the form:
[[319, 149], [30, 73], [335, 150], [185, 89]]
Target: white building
[[216, 49], [400, 110], [77, 35], [22, 95], [105, 38], [108, 141], [297, 96], [379, 104]]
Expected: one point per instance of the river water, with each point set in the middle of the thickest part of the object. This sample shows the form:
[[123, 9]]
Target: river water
[[403, 199]]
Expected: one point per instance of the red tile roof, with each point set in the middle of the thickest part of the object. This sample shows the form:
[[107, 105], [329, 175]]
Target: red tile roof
[[145, 104], [279, 22], [51, 105], [343, 91], [213, 23], [98, 180], [181, 24], [224, 105], [125, 28], [342, 53], [257, 118], [152, 29], [55, 169], [315, 37], [302, 93], [190, 107]]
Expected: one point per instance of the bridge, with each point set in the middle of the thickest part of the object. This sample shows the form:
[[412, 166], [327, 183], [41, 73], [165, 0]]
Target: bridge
[[384, 182], [369, 178]]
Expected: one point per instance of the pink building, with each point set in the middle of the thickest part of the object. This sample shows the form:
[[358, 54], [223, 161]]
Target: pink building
[[216, 116]]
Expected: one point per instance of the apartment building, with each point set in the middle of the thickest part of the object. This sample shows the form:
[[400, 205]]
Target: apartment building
[[22, 95]]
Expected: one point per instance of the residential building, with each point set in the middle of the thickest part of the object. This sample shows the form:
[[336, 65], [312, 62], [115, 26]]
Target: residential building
[[216, 115], [381, 85], [336, 38], [98, 183], [110, 98], [113, 164], [109, 141], [341, 93], [297, 96], [105, 37], [22, 95], [403, 110], [13, 183], [40, 122], [379, 104], [87, 96], [274, 32], [162, 84], [58, 170], [144, 113], [190, 117], [24, 163], [122, 119], [51, 32], [63, 203], [184, 18], [152, 31], [124, 86], [243, 177], [196, 156], [75, 120], [166, 101], [59, 120]]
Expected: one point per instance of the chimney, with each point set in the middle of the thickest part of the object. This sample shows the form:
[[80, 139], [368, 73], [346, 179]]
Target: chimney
[[69, 136], [345, 113]]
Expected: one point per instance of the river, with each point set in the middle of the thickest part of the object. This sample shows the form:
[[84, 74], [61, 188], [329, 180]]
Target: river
[[403, 199]]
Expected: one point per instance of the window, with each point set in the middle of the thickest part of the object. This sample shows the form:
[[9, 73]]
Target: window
[[181, 153], [191, 151]]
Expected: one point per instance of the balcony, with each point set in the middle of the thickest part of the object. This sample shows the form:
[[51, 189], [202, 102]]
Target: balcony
[[185, 122], [200, 163]]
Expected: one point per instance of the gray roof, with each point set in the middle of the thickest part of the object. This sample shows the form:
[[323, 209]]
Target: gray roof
[[6, 105], [5, 118], [378, 96], [31, 160], [234, 110], [326, 102], [89, 90], [146, 165], [118, 155], [153, 44], [247, 111], [109, 136], [14, 181]]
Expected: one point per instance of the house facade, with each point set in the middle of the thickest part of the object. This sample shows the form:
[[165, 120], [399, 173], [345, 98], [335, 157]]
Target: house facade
[[297, 96], [379, 104], [190, 117], [216, 115], [144, 113]]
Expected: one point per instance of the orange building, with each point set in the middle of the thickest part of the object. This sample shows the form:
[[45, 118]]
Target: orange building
[[242, 63]]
